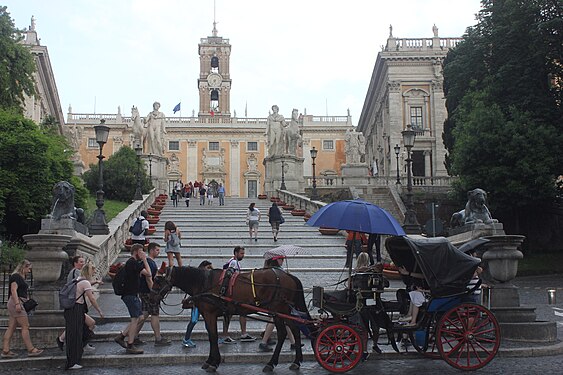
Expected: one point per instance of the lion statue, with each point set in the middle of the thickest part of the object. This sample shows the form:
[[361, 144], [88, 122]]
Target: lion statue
[[475, 211], [63, 201]]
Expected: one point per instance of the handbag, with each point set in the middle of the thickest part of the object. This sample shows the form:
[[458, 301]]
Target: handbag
[[29, 305], [282, 219]]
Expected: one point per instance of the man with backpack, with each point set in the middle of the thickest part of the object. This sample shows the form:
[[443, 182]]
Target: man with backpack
[[148, 307], [129, 284], [139, 229]]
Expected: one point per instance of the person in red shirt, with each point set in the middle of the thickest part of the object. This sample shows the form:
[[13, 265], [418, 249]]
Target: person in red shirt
[[354, 243]]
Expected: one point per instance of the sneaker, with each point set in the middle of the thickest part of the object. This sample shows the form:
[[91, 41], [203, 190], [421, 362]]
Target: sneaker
[[75, 367], [134, 350], [188, 343], [89, 348], [121, 341], [138, 341], [405, 318], [255, 239], [271, 342], [227, 340], [162, 342], [293, 347], [365, 356], [247, 338], [60, 344], [264, 348]]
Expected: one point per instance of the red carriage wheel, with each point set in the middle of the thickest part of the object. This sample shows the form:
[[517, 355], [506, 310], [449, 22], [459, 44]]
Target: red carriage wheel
[[338, 348], [426, 345], [468, 336]]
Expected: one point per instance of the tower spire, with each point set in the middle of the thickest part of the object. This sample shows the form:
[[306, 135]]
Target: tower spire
[[214, 32]]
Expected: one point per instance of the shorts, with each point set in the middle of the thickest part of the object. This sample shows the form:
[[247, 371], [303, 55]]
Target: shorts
[[417, 298], [275, 225], [133, 304], [12, 309], [152, 308], [253, 224]]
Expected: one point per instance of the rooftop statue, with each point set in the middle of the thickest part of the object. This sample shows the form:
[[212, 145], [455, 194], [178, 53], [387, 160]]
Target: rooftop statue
[[154, 122]]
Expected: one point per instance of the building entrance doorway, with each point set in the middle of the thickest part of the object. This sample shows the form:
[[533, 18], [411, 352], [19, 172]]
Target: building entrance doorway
[[252, 188]]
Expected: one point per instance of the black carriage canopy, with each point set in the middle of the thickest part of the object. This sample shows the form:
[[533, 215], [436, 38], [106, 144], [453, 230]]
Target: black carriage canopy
[[446, 269]]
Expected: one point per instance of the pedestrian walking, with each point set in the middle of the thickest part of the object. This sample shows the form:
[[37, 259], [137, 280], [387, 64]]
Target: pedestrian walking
[[210, 195], [147, 305], [221, 192], [187, 200], [135, 267], [17, 295], [75, 318], [172, 237], [202, 191], [187, 341], [275, 218], [174, 197], [252, 219], [141, 237]]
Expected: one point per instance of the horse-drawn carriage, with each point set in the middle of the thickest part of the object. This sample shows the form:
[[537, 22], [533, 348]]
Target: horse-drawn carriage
[[465, 334]]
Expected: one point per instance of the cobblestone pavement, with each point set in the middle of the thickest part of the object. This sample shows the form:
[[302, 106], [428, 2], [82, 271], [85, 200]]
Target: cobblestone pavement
[[512, 366]]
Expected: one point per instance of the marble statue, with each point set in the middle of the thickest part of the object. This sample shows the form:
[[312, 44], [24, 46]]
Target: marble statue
[[204, 158], [63, 201], [435, 31], [155, 124], [74, 136], [292, 136], [354, 147], [138, 134], [274, 130]]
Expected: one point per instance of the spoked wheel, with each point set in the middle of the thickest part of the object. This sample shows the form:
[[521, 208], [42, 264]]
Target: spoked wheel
[[338, 348], [426, 345], [468, 336]]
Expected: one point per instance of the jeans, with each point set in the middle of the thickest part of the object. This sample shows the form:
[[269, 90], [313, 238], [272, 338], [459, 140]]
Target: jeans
[[221, 199]]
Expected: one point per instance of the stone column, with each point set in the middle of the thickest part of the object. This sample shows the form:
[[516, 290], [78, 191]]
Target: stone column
[[192, 161], [235, 169]]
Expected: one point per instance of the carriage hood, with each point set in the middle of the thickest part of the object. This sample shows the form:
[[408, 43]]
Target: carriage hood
[[446, 269]]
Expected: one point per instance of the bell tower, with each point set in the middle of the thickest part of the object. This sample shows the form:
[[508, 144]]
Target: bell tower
[[214, 82]]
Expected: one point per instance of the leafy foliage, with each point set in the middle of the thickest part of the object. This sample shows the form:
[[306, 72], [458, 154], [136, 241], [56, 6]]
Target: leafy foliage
[[16, 67], [32, 160], [120, 176], [504, 110]]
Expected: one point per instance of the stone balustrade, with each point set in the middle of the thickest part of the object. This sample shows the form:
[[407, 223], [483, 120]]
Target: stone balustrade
[[410, 44], [417, 181], [300, 201]]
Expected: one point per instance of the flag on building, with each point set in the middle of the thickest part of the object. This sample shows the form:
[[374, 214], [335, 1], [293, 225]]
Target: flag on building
[[177, 108]]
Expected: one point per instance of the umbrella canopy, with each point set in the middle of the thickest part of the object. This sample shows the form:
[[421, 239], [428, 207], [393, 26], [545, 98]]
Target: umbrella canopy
[[473, 245], [356, 215], [284, 251]]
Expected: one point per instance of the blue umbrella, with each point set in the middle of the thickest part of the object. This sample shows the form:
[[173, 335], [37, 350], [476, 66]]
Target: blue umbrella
[[356, 215]]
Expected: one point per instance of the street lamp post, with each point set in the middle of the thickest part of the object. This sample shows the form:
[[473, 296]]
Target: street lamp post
[[150, 166], [411, 225], [138, 193], [314, 193], [282, 186], [397, 149], [98, 224]]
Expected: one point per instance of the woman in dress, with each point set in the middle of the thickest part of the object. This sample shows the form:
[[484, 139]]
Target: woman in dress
[[17, 295], [274, 217], [76, 318], [252, 218], [172, 238]]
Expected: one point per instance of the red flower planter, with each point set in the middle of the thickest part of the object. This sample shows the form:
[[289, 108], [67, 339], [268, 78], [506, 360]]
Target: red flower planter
[[298, 212], [262, 196], [151, 230], [288, 207], [153, 219], [153, 212], [274, 199], [328, 231], [157, 207]]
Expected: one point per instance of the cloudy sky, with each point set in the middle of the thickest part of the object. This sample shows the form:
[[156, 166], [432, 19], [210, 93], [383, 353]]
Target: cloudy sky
[[313, 54]]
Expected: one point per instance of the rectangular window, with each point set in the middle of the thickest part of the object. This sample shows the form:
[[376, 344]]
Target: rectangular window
[[328, 144], [213, 146], [416, 117], [92, 142], [252, 146], [174, 145]]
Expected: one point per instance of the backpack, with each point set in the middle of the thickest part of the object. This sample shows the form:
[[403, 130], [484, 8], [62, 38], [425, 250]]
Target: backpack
[[118, 282], [67, 294], [173, 239], [137, 227]]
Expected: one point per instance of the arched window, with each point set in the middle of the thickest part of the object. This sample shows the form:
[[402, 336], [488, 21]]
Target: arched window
[[215, 62]]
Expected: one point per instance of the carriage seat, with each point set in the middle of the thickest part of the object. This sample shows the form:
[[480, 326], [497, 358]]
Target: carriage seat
[[336, 302]]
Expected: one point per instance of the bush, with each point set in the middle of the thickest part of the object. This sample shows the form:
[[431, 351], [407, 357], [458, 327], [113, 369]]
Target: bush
[[11, 254]]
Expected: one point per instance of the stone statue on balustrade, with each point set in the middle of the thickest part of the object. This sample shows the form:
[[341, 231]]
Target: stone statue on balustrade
[[155, 129], [275, 132], [355, 147], [138, 131], [475, 210], [292, 134]]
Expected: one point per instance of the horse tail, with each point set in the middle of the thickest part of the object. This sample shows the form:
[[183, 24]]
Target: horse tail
[[299, 299]]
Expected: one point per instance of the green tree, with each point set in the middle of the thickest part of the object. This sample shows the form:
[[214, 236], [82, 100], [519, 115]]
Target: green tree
[[32, 160], [17, 65], [120, 176], [503, 131]]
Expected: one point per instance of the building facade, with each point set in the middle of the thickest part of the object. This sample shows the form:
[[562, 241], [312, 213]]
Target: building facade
[[406, 88], [216, 146]]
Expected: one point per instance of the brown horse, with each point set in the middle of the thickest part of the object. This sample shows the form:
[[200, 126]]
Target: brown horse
[[272, 291]]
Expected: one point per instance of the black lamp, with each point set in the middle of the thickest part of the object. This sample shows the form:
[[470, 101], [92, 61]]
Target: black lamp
[[138, 193], [314, 193], [98, 224], [411, 225], [397, 149], [282, 186]]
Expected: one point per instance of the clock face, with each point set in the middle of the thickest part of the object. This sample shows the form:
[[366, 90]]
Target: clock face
[[214, 80]]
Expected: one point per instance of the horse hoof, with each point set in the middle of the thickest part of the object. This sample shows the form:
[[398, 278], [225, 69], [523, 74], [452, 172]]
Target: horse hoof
[[294, 366], [211, 368], [205, 366], [268, 368]]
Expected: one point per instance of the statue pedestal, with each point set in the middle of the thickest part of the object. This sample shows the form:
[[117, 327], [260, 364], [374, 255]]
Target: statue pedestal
[[46, 255], [461, 235], [156, 169], [355, 174], [293, 174]]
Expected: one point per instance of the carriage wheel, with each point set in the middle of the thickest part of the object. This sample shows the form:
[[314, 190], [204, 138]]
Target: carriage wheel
[[468, 336], [338, 348], [430, 348]]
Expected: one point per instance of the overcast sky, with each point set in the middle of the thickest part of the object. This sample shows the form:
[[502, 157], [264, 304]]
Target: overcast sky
[[313, 54]]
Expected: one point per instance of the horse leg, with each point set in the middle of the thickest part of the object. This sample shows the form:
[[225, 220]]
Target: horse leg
[[282, 333], [298, 349], [214, 358]]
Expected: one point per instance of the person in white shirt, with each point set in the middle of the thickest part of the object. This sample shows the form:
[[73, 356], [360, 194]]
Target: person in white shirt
[[253, 218], [141, 239]]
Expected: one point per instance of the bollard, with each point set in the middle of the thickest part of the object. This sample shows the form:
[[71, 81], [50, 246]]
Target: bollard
[[551, 296]]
